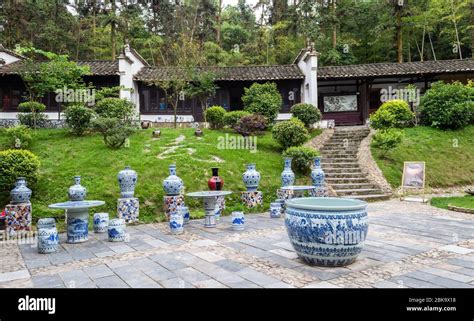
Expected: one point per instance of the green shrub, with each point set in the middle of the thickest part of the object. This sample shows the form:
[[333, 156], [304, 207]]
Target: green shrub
[[290, 133], [215, 116], [19, 137], [447, 106], [78, 119], [307, 113], [387, 139], [302, 158], [17, 163], [113, 130], [231, 118], [111, 107], [251, 125], [263, 99], [392, 114], [31, 114]]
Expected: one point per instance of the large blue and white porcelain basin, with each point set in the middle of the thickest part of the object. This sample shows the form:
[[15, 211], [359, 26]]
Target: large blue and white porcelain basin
[[327, 231]]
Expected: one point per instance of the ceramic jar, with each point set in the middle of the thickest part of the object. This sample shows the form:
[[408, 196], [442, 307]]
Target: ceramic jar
[[48, 222], [215, 183], [317, 173], [238, 221], [217, 212], [156, 133], [184, 210], [287, 176], [326, 231], [77, 192], [173, 184], [275, 210], [116, 230], [101, 222], [48, 240], [251, 178], [176, 223], [21, 193], [127, 179], [282, 204]]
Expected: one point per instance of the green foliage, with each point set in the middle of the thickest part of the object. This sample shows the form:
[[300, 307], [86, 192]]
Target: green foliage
[[387, 139], [115, 108], [78, 119], [302, 158], [290, 133], [215, 116], [202, 87], [18, 163], [392, 114], [232, 117], [19, 137], [108, 92], [263, 99], [251, 125], [307, 113], [114, 131], [448, 106], [31, 114]]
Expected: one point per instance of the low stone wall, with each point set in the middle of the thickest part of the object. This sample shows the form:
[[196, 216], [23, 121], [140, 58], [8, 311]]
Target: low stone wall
[[50, 123], [319, 141], [369, 167]]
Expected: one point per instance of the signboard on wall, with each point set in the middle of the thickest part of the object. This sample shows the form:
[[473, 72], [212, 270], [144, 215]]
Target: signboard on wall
[[341, 103], [413, 175]]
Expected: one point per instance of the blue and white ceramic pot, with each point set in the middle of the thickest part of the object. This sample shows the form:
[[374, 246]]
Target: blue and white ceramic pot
[[217, 212], [282, 203], [173, 184], [77, 192], [116, 230], [184, 211], [101, 222], [77, 227], [317, 173], [48, 222], [275, 209], [21, 193], [251, 178], [287, 176], [48, 240], [238, 221], [176, 223], [127, 179], [326, 231]]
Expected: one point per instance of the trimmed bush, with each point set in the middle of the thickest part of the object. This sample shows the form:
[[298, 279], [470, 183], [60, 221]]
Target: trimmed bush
[[113, 130], [448, 106], [19, 137], [302, 158], [263, 99], [231, 118], [392, 114], [31, 114], [251, 125], [111, 107], [307, 113], [17, 163], [290, 133], [78, 119], [215, 116], [387, 139]]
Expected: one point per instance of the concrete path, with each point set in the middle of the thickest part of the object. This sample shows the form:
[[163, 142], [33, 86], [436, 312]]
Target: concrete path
[[409, 245]]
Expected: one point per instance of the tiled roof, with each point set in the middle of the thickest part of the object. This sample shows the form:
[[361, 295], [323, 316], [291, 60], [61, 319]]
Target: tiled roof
[[396, 69], [10, 52], [243, 73], [97, 67]]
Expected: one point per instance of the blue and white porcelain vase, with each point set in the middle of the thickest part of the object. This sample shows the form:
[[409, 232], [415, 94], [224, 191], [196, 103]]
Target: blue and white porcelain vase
[[77, 192], [287, 176], [176, 223], [275, 210], [48, 240], [47, 222], [317, 173], [251, 178], [217, 212], [21, 193], [238, 221], [116, 230], [184, 210], [127, 179], [101, 222], [173, 184]]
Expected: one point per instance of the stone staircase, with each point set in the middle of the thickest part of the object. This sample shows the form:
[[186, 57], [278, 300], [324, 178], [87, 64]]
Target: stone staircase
[[339, 162]]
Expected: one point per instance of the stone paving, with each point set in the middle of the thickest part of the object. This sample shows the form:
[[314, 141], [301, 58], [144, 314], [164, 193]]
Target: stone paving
[[409, 245]]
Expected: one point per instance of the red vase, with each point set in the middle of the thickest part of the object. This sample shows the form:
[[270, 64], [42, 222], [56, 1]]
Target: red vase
[[215, 183]]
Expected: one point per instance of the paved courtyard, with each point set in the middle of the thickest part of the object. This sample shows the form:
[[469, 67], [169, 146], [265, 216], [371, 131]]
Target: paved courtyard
[[409, 245]]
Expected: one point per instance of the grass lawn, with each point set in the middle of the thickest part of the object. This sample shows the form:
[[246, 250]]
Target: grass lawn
[[63, 156], [449, 156], [460, 201]]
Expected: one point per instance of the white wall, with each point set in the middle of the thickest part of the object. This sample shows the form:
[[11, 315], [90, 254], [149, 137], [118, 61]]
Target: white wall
[[129, 65], [308, 63], [8, 58], [12, 115]]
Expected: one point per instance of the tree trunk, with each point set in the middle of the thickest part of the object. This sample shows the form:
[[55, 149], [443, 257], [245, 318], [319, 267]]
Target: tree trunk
[[472, 29], [334, 25], [113, 37], [399, 41]]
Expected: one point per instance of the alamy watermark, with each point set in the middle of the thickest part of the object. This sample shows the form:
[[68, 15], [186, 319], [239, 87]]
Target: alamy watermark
[[85, 96], [410, 95], [237, 142]]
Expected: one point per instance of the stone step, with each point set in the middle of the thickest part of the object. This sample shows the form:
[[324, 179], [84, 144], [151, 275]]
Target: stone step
[[341, 180], [340, 159], [341, 169], [353, 186], [344, 135], [358, 191], [369, 197], [345, 175], [339, 153], [339, 165], [338, 149]]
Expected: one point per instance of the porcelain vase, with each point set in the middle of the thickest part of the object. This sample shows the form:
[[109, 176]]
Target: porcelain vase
[[184, 211], [215, 183], [48, 240], [21, 193], [173, 184], [238, 221], [116, 230], [251, 178], [275, 209], [317, 173], [176, 223], [101, 222], [287, 176], [77, 192], [47, 222], [127, 179]]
